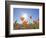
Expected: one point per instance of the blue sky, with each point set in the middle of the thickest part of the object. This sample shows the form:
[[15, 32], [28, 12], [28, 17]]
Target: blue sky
[[17, 12]]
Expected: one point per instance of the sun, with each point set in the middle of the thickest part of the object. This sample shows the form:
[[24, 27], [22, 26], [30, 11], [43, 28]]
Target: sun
[[24, 15]]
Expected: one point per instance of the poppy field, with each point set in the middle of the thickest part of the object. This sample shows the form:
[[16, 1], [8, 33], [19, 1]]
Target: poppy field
[[25, 18]]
